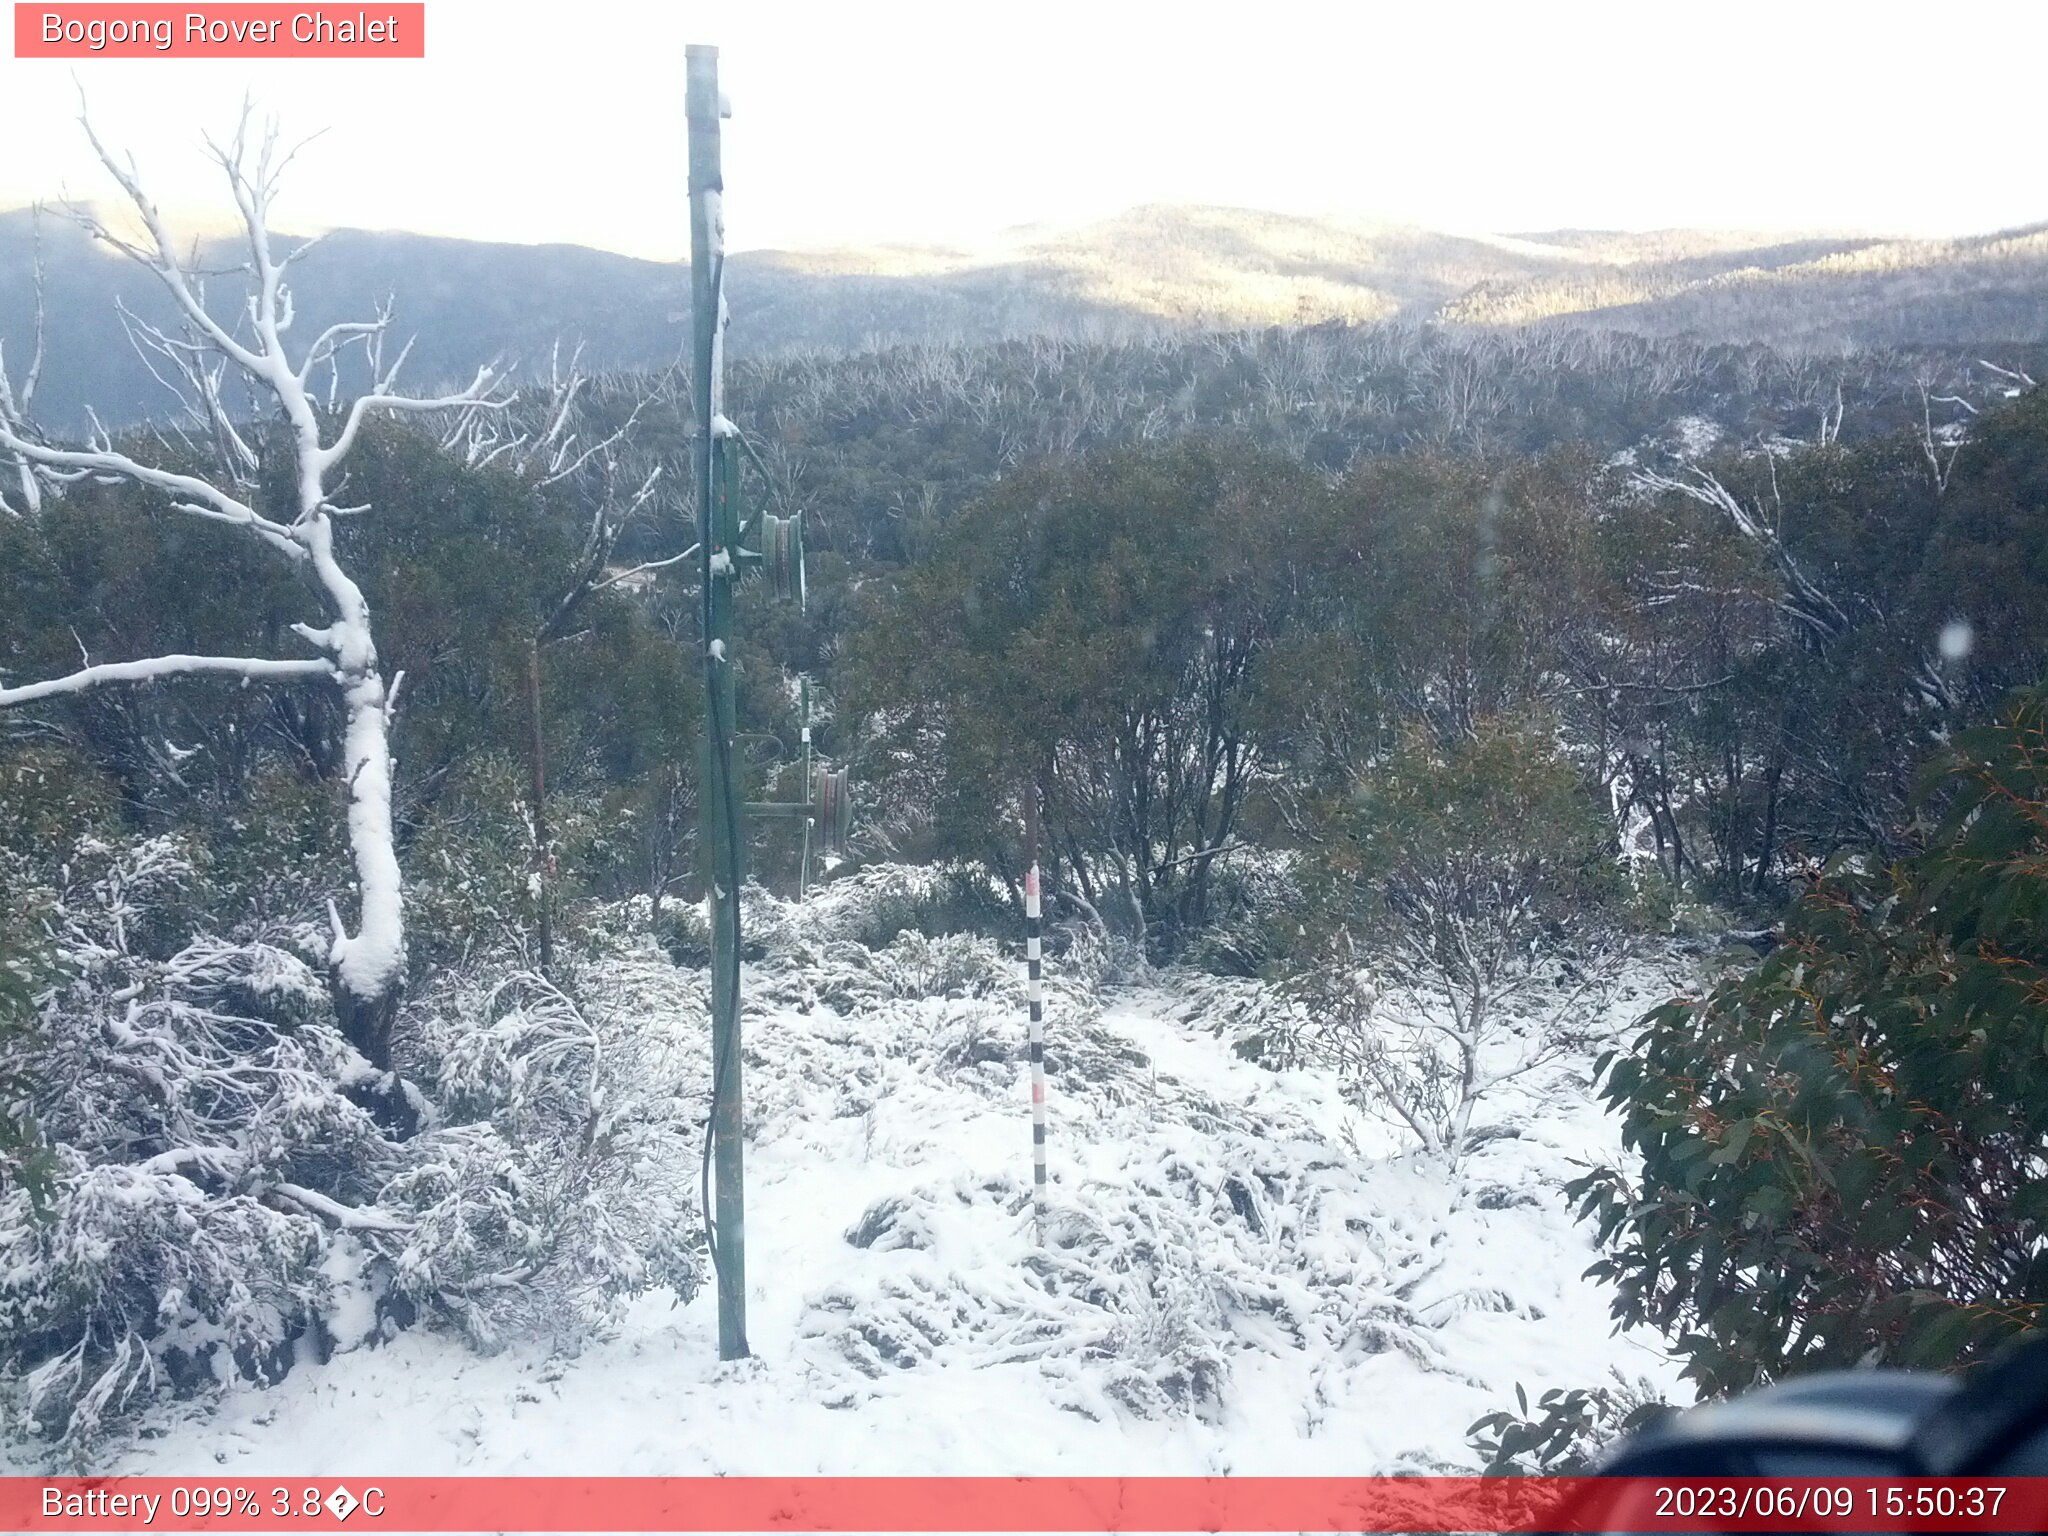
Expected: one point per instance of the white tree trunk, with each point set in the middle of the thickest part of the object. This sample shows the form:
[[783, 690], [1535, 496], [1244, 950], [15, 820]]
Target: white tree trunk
[[369, 962]]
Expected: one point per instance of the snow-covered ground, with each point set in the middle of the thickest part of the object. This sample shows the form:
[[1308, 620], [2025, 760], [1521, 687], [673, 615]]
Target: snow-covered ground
[[1243, 1273]]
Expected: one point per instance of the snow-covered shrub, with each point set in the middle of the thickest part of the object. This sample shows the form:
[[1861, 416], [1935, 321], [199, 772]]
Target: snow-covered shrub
[[1096, 957], [1132, 1295], [1166, 1312], [1260, 1022], [1462, 931], [1156, 1272], [1434, 1064], [139, 1283], [956, 965], [767, 924], [192, 1100], [221, 1198], [832, 951], [559, 1175], [1209, 1232], [874, 904]]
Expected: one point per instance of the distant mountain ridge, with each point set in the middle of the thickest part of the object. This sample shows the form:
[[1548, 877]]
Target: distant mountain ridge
[[1153, 266]]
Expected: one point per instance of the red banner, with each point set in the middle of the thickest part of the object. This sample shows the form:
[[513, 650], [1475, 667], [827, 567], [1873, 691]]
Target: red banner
[[376, 31], [978, 1504]]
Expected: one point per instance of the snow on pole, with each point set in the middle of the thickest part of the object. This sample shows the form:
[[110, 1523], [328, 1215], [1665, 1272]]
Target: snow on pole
[[1035, 994]]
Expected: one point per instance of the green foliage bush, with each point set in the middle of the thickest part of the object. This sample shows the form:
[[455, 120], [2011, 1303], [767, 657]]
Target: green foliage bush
[[1565, 1431], [1842, 1150]]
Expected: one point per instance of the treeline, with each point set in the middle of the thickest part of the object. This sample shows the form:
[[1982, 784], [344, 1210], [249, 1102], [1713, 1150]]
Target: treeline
[[875, 445], [1186, 648], [1184, 639]]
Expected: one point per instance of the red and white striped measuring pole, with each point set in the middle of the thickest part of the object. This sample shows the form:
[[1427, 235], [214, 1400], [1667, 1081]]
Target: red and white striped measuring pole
[[1034, 991]]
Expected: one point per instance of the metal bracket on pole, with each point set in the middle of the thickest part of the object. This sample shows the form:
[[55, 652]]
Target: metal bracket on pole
[[829, 809]]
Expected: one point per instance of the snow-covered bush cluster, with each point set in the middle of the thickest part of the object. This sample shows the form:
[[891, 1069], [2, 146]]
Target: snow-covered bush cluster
[[876, 903], [193, 1098], [1203, 1221], [1227, 1236], [229, 1189], [557, 1173]]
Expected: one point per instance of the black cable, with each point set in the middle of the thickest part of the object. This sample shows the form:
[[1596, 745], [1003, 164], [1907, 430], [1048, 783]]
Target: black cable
[[721, 766], [711, 1116], [722, 740]]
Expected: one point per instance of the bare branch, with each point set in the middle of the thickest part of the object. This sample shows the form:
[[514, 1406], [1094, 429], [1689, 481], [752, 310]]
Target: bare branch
[[2025, 381], [619, 578], [1819, 617], [158, 667], [476, 395], [197, 497], [163, 261]]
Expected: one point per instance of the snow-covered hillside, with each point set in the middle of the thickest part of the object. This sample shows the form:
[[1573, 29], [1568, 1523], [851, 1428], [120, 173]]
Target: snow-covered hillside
[[1242, 1273]]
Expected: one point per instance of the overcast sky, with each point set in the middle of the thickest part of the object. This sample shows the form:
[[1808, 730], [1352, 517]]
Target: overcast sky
[[863, 120]]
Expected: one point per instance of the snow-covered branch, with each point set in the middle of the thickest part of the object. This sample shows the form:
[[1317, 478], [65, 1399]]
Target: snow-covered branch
[[476, 394], [2014, 376], [158, 667], [347, 1217], [646, 568], [193, 496]]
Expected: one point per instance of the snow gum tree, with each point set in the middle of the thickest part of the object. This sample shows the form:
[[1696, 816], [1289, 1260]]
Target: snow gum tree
[[1106, 627], [210, 361]]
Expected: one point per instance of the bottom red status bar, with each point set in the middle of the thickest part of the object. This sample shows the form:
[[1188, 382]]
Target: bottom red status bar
[[984, 1504]]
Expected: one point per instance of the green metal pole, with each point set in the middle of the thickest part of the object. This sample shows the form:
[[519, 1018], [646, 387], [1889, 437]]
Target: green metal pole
[[719, 844]]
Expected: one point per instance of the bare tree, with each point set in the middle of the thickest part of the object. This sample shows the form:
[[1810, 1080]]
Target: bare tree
[[545, 441], [1939, 445], [1819, 620], [1467, 936], [366, 965]]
